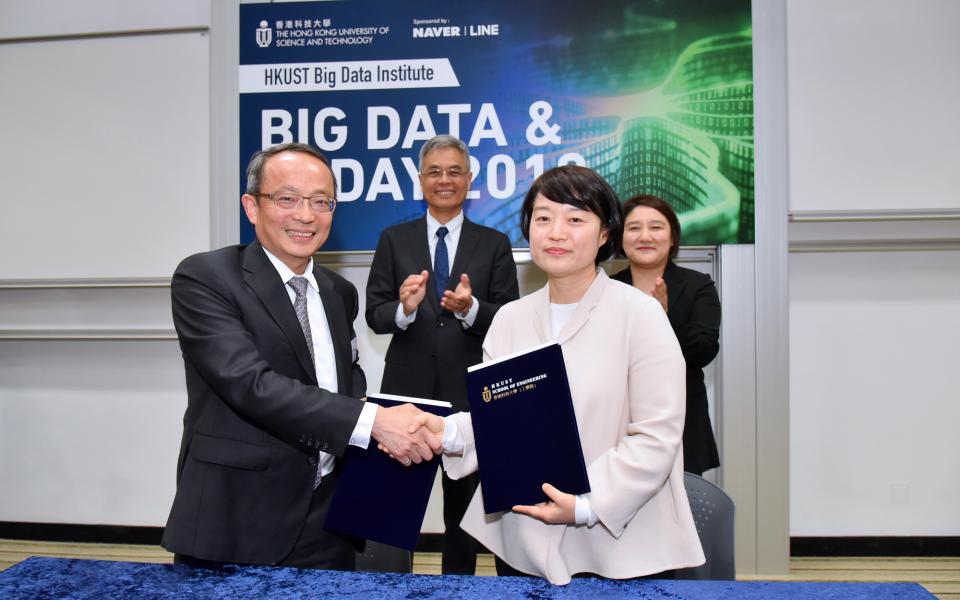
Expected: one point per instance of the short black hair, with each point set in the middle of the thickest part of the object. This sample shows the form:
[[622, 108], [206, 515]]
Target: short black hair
[[660, 205], [585, 189], [260, 158]]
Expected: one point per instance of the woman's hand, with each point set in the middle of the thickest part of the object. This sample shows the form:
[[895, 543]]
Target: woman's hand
[[561, 508], [431, 421], [660, 293]]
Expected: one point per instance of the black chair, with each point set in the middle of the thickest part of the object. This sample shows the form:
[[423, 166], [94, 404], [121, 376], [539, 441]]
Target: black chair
[[381, 558], [713, 512]]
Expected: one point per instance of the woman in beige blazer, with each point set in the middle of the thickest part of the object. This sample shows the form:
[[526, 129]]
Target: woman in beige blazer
[[636, 520]]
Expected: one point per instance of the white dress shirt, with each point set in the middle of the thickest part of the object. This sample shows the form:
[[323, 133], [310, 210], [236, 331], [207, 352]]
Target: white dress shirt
[[325, 362], [452, 240]]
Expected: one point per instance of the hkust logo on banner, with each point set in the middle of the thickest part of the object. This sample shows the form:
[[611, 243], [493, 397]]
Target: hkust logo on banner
[[299, 33], [264, 35]]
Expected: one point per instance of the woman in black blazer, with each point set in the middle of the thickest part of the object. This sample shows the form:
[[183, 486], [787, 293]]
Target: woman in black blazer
[[651, 239]]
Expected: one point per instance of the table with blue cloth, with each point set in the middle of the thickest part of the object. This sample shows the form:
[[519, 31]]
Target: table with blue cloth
[[72, 578]]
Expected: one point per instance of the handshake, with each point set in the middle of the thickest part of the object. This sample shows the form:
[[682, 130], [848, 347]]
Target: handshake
[[408, 434]]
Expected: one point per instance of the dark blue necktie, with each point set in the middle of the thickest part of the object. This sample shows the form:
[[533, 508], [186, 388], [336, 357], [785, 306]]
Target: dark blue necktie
[[441, 264]]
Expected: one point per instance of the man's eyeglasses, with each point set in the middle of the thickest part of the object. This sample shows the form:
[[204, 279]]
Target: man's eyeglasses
[[289, 202], [454, 173]]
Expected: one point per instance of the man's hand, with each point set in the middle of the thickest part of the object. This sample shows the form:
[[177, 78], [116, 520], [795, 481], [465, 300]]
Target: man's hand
[[391, 429], [561, 508], [412, 291], [660, 292], [459, 300], [428, 426]]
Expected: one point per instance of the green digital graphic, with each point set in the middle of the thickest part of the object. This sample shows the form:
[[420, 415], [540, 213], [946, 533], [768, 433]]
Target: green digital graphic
[[653, 115]]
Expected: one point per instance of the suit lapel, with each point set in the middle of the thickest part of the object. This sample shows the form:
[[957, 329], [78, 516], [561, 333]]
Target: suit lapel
[[265, 282], [469, 237], [336, 322], [675, 283], [542, 318], [586, 305]]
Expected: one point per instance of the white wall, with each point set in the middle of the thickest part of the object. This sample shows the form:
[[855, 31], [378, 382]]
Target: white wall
[[874, 88], [105, 167], [105, 148], [89, 431], [874, 267], [874, 448], [32, 19]]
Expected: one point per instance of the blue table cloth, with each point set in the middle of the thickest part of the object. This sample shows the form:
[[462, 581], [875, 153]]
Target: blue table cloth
[[68, 578]]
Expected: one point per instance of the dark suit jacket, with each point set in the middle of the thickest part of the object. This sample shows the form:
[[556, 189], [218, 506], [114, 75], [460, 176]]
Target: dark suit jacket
[[255, 417], [694, 313], [429, 358]]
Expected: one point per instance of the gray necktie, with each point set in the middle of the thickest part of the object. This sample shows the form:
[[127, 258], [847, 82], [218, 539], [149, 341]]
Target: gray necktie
[[299, 285]]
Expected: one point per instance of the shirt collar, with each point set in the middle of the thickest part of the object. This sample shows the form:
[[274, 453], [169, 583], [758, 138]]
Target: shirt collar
[[453, 225], [286, 274]]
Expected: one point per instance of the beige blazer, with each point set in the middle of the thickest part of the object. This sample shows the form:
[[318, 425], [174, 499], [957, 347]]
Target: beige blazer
[[626, 376]]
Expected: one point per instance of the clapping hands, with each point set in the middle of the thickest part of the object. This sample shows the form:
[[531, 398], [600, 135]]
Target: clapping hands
[[660, 293], [413, 290], [459, 300]]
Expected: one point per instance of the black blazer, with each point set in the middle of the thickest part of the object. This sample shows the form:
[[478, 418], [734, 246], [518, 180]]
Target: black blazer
[[255, 417], [429, 358], [694, 313]]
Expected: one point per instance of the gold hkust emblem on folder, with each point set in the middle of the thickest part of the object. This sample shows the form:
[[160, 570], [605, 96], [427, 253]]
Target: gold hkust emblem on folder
[[487, 395]]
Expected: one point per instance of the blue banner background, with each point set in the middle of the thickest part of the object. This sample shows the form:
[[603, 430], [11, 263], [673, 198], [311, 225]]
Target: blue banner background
[[657, 97]]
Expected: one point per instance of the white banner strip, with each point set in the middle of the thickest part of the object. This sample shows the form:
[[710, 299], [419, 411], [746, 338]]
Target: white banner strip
[[350, 75]]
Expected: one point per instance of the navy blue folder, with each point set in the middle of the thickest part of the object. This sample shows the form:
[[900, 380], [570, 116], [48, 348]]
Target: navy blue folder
[[379, 499], [525, 428]]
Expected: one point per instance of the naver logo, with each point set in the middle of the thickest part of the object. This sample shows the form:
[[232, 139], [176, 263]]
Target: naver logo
[[264, 35]]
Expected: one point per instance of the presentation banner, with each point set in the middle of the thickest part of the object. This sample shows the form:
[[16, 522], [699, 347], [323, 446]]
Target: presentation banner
[[655, 96]]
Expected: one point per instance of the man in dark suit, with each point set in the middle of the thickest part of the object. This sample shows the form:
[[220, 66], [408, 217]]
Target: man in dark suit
[[273, 382], [435, 284]]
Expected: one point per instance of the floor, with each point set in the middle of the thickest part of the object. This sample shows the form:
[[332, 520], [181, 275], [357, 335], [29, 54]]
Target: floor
[[940, 576]]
